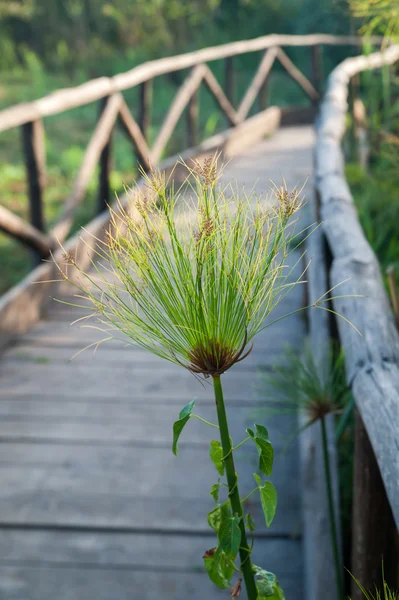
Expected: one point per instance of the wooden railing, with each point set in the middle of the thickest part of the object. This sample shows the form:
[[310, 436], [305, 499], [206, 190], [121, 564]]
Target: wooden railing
[[343, 260], [114, 110]]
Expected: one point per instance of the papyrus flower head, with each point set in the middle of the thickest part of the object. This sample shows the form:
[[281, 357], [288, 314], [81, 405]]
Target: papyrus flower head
[[192, 275]]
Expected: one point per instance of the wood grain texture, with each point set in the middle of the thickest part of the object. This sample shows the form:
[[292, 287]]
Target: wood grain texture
[[372, 358], [319, 570]]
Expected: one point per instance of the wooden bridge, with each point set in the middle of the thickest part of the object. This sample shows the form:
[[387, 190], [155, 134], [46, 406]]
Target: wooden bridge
[[93, 505]]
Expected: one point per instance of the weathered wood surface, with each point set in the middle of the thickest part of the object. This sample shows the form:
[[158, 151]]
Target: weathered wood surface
[[13, 225], [372, 358], [93, 504], [98, 88], [319, 569]]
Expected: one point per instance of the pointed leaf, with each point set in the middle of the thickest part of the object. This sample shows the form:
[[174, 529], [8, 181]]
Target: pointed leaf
[[230, 536], [216, 454], [218, 515], [218, 568], [268, 499], [264, 447], [215, 491], [249, 523], [257, 479], [178, 426]]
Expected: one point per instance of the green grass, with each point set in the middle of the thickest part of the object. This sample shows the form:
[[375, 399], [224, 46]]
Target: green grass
[[376, 195], [68, 134]]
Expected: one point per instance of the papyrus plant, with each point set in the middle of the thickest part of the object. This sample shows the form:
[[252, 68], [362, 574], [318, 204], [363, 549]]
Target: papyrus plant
[[316, 389], [193, 277]]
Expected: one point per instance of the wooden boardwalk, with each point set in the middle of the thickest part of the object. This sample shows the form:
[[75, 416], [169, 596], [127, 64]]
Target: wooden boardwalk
[[93, 504]]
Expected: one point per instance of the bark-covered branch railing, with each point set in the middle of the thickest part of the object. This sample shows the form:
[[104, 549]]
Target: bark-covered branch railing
[[114, 111], [372, 358]]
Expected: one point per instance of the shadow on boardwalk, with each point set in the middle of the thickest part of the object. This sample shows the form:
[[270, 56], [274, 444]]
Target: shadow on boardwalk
[[93, 505]]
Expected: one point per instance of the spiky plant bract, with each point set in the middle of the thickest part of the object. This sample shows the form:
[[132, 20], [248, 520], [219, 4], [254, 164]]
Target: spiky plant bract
[[317, 389], [192, 277]]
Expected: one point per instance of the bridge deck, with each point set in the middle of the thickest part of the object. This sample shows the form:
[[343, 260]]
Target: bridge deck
[[93, 505]]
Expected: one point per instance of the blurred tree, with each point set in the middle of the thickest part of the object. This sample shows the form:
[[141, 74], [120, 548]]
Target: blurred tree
[[66, 33], [378, 16]]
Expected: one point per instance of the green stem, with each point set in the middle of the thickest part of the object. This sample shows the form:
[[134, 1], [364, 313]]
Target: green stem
[[331, 511], [232, 482], [242, 443], [343, 422], [193, 416]]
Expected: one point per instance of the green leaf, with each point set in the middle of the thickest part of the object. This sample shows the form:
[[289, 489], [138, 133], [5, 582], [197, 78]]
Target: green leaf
[[216, 454], [218, 515], [218, 567], [178, 426], [268, 499], [230, 536], [267, 585], [249, 523], [264, 447], [215, 491]]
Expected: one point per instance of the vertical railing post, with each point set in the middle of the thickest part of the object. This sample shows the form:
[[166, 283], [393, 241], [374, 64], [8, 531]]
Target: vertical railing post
[[229, 79], [317, 69], [374, 535], [35, 162], [105, 169], [193, 120], [263, 93], [145, 100]]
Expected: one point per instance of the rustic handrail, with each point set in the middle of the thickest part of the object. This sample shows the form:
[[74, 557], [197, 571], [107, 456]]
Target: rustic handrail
[[95, 89], [372, 358]]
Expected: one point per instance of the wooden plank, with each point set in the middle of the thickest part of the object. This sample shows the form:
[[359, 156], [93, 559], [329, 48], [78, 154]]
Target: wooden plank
[[13, 225], [296, 74], [97, 380], [257, 83], [178, 574], [133, 423], [133, 551], [185, 93], [98, 142], [372, 358], [115, 491], [91, 91]]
